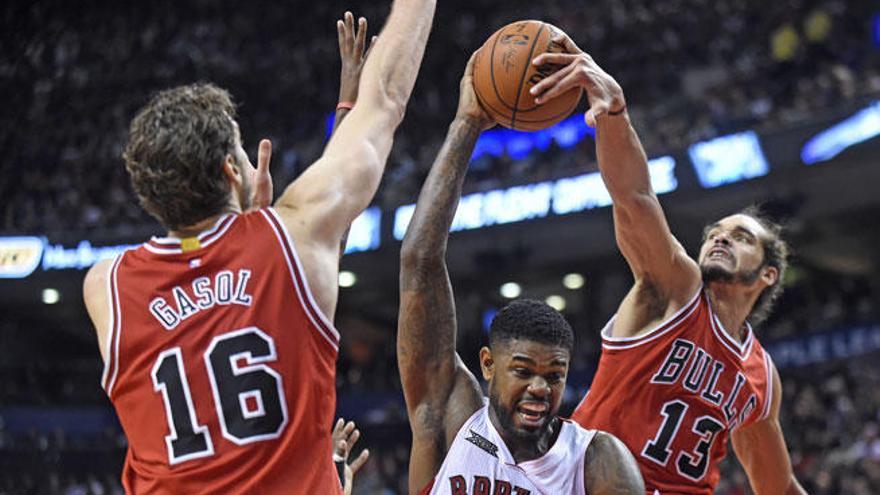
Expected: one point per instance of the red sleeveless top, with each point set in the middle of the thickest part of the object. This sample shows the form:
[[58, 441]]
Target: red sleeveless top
[[674, 394], [220, 365]]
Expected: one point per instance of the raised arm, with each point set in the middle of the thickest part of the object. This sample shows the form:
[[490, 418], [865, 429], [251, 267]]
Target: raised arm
[[439, 390], [320, 205], [655, 257], [336, 188], [761, 450], [610, 468], [353, 51]]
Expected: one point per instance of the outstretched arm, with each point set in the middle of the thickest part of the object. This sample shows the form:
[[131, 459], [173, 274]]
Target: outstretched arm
[[353, 51], [655, 257], [761, 450], [610, 468], [440, 392], [320, 205]]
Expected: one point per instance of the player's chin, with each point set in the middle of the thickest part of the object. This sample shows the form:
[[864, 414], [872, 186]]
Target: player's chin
[[716, 271]]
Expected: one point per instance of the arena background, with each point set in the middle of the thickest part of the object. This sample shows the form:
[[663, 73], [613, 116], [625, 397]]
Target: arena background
[[739, 101]]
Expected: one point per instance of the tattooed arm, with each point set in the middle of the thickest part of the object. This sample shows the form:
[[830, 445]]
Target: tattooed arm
[[440, 392], [610, 469]]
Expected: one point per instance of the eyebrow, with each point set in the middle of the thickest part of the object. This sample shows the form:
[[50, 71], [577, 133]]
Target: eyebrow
[[520, 357], [738, 228], [526, 359]]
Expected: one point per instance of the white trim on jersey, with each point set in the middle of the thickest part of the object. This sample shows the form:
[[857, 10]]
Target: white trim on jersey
[[768, 401], [304, 293], [740, 349], [674, 321], [111, 322], [117, 330], [172, 245]]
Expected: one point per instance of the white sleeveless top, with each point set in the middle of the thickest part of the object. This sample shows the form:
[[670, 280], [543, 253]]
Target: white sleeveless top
[[478, 462]]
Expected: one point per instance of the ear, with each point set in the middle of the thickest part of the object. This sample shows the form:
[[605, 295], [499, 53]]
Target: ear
[[231, 170], [487, 364], [770, 275]]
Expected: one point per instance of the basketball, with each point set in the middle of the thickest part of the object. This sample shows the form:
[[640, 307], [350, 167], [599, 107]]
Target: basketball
[[504, 74]]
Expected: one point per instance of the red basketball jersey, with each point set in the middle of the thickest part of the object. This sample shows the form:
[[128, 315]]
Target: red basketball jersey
[[220, 365], [674, 394]]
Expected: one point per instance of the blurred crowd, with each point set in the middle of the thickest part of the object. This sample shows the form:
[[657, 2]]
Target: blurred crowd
[[74, 77], [691, 69]]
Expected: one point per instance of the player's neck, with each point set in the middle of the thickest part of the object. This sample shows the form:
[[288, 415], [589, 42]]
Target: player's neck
[[732, 305], [200, 226]]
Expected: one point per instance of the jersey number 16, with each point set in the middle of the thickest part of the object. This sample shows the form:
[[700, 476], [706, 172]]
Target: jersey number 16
[[249, 398]]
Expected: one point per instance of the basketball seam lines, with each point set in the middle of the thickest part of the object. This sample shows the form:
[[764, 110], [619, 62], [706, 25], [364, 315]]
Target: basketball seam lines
[[522, 78], [486, 102], [492, 75]]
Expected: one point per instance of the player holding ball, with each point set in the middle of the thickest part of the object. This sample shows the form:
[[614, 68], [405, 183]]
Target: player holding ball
[[511, 442], [681, 371]]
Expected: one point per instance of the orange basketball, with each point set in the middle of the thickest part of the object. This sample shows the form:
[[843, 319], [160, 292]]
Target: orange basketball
[[504, 74]]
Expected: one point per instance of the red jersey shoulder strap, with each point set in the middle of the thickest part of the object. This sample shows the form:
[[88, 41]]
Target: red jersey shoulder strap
[[114, 325], [768, 400], [319, 320]]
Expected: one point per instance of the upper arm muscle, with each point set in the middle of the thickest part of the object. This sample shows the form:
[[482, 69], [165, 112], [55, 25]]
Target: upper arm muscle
[[334, 190], [97, 302], [761, 450], [610, 468], [666, 278], [439, 390]]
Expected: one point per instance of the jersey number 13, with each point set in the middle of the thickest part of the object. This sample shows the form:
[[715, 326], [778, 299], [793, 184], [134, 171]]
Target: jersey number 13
[[694, 464]]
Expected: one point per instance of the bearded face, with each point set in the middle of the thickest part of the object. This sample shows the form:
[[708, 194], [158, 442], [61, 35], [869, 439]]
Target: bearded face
[[732, 251], [526, 383]]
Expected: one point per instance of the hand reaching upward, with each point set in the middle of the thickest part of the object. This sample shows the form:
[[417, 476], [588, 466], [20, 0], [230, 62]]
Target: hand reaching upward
[[353, 53]]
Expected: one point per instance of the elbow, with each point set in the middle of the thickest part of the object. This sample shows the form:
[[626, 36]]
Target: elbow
[[634, 204], [392, 103], [388, 92], [415, 257]]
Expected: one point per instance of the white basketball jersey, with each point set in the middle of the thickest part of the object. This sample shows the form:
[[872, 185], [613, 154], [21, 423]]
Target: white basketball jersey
[[478, 463]]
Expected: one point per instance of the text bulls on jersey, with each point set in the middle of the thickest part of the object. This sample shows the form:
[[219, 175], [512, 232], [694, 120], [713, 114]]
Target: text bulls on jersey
[[701, 374], [224, 288]]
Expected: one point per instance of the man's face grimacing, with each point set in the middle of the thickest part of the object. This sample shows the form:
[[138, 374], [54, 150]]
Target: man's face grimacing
[[733, 252], [526, 382]]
